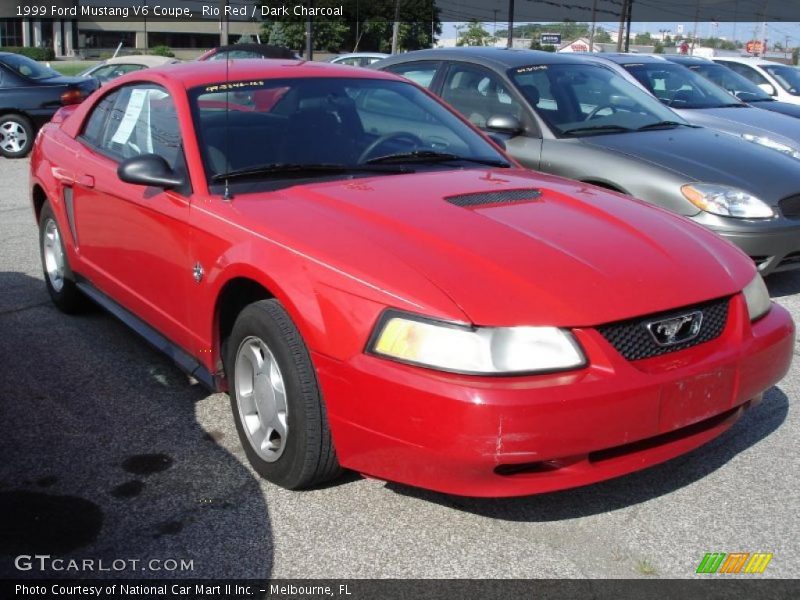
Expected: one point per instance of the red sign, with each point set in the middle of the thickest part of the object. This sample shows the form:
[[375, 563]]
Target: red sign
[[754, 47]]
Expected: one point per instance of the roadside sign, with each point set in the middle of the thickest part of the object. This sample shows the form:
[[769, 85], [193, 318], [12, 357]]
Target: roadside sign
[[755, 47], [550, 38]]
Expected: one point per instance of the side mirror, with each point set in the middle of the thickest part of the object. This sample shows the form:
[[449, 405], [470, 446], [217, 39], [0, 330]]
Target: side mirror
[[769, 88], [148, 169], [505, 124]]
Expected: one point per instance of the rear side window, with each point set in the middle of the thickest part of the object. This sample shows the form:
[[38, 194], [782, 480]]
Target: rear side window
[[421, 73], [93, 132], [746, 71]]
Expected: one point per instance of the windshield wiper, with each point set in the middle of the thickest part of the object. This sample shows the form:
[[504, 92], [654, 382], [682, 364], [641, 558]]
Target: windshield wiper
[[433, 156], [732, 105], [598, 129], [280, 169], [662, 125]]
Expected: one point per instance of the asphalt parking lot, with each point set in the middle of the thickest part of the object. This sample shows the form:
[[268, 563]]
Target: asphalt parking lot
[[130, 461]]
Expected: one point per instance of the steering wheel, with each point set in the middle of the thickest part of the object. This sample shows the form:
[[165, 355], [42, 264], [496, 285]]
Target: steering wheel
[[399, 136], [597, 109]]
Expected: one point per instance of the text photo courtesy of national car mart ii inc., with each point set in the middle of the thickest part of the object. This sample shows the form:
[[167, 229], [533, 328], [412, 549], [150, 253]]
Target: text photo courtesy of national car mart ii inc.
[[166, 10]]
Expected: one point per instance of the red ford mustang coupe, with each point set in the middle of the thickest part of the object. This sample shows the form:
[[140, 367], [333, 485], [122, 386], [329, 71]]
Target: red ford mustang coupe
[[378, 287]]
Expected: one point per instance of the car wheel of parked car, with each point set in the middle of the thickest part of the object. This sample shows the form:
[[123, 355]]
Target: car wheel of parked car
[[276, 400], [57, 275], [16, 136]]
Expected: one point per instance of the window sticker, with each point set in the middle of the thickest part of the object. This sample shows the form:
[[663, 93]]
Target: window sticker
[[131, 116]]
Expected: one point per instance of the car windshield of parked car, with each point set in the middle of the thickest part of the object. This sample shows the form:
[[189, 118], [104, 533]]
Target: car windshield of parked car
[[787, 77], [732, 82], [583, 99], [306, 127], [27, 67], [678, 87]]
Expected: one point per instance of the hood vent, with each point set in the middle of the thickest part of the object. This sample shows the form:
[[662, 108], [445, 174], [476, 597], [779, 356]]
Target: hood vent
[[497, 197]]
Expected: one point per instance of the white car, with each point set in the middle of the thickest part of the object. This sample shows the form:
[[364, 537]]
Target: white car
[[780, 81], [114, 67], [357, 59]]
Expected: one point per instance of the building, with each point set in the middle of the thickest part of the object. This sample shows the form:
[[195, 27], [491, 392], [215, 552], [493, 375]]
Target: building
[[89, 37]]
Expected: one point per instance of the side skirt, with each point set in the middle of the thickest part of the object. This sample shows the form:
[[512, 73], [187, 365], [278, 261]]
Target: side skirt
[[181, 358]]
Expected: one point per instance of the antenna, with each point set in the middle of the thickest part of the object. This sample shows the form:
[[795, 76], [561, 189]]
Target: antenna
[[226, 195]]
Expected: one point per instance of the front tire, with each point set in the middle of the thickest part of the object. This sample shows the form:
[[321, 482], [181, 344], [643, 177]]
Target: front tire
[[276, 401], [16, 135], [58, 276]]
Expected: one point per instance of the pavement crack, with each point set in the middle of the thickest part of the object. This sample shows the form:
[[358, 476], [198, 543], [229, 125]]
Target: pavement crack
[[12, 311]]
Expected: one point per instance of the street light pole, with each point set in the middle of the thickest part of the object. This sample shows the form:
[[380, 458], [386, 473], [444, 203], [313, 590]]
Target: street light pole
[[510, 41]]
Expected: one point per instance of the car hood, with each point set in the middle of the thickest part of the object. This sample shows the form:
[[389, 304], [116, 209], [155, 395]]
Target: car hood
[[575, 255], [702, 155], [746, 119], [785, 108]]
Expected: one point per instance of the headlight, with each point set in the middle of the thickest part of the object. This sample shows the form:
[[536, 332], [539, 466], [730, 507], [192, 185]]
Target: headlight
[[726, 201], [482, 350], [757, 298], [772, 144]]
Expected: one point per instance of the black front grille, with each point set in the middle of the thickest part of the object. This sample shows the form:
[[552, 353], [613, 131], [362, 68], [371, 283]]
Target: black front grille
[[633, 340], [497, 197], [790, 207]]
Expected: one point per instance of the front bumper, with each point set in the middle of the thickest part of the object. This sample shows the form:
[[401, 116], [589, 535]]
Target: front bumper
[[511, 436], [773, 247]]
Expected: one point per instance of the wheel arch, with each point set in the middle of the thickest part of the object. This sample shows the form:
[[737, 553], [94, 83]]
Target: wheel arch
[[606, 185], [235, 294], [38, 197]]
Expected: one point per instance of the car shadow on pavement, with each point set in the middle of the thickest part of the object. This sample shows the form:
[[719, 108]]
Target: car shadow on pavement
[[104, 456], [783, 284], [754, 425]]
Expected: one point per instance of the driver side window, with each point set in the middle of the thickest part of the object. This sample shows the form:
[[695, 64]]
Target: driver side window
[[136, 119], [478, 94]]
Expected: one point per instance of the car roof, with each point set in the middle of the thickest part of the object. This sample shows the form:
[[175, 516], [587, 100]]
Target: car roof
[[498, 58], [197, 73], [144, 59], [360, 54], [622, 58], [753, 60], [267, 50], [687, 60]]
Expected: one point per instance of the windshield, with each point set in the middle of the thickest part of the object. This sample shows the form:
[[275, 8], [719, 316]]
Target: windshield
[[27, 67], [787, 77], [678, 87], [582, 99], [732, 82], [323, 127]]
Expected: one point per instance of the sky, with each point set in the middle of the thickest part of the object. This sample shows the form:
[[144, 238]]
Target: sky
[[776, 31]]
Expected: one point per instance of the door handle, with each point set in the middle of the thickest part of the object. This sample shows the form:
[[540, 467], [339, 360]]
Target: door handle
[[86, 181]]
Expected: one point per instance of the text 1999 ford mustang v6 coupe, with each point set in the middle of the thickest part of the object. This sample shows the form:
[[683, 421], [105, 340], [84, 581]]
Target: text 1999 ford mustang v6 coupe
[[380, 288]]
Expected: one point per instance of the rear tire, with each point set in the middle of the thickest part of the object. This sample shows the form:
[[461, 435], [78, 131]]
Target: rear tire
[[58, 276], [276, 401], [16, 135]]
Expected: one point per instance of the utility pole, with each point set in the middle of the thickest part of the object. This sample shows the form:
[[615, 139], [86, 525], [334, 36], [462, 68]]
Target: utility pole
[[310, 32], [396, 26], [623, 15], [628, 27], [510, 40], [594, 23], [223, 23]]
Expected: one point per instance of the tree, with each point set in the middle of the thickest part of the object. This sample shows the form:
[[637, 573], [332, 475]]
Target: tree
[[365, 26], [474, 35], [601, 36], [795, 56], [643, 39], [328, 35], [659, 48]]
